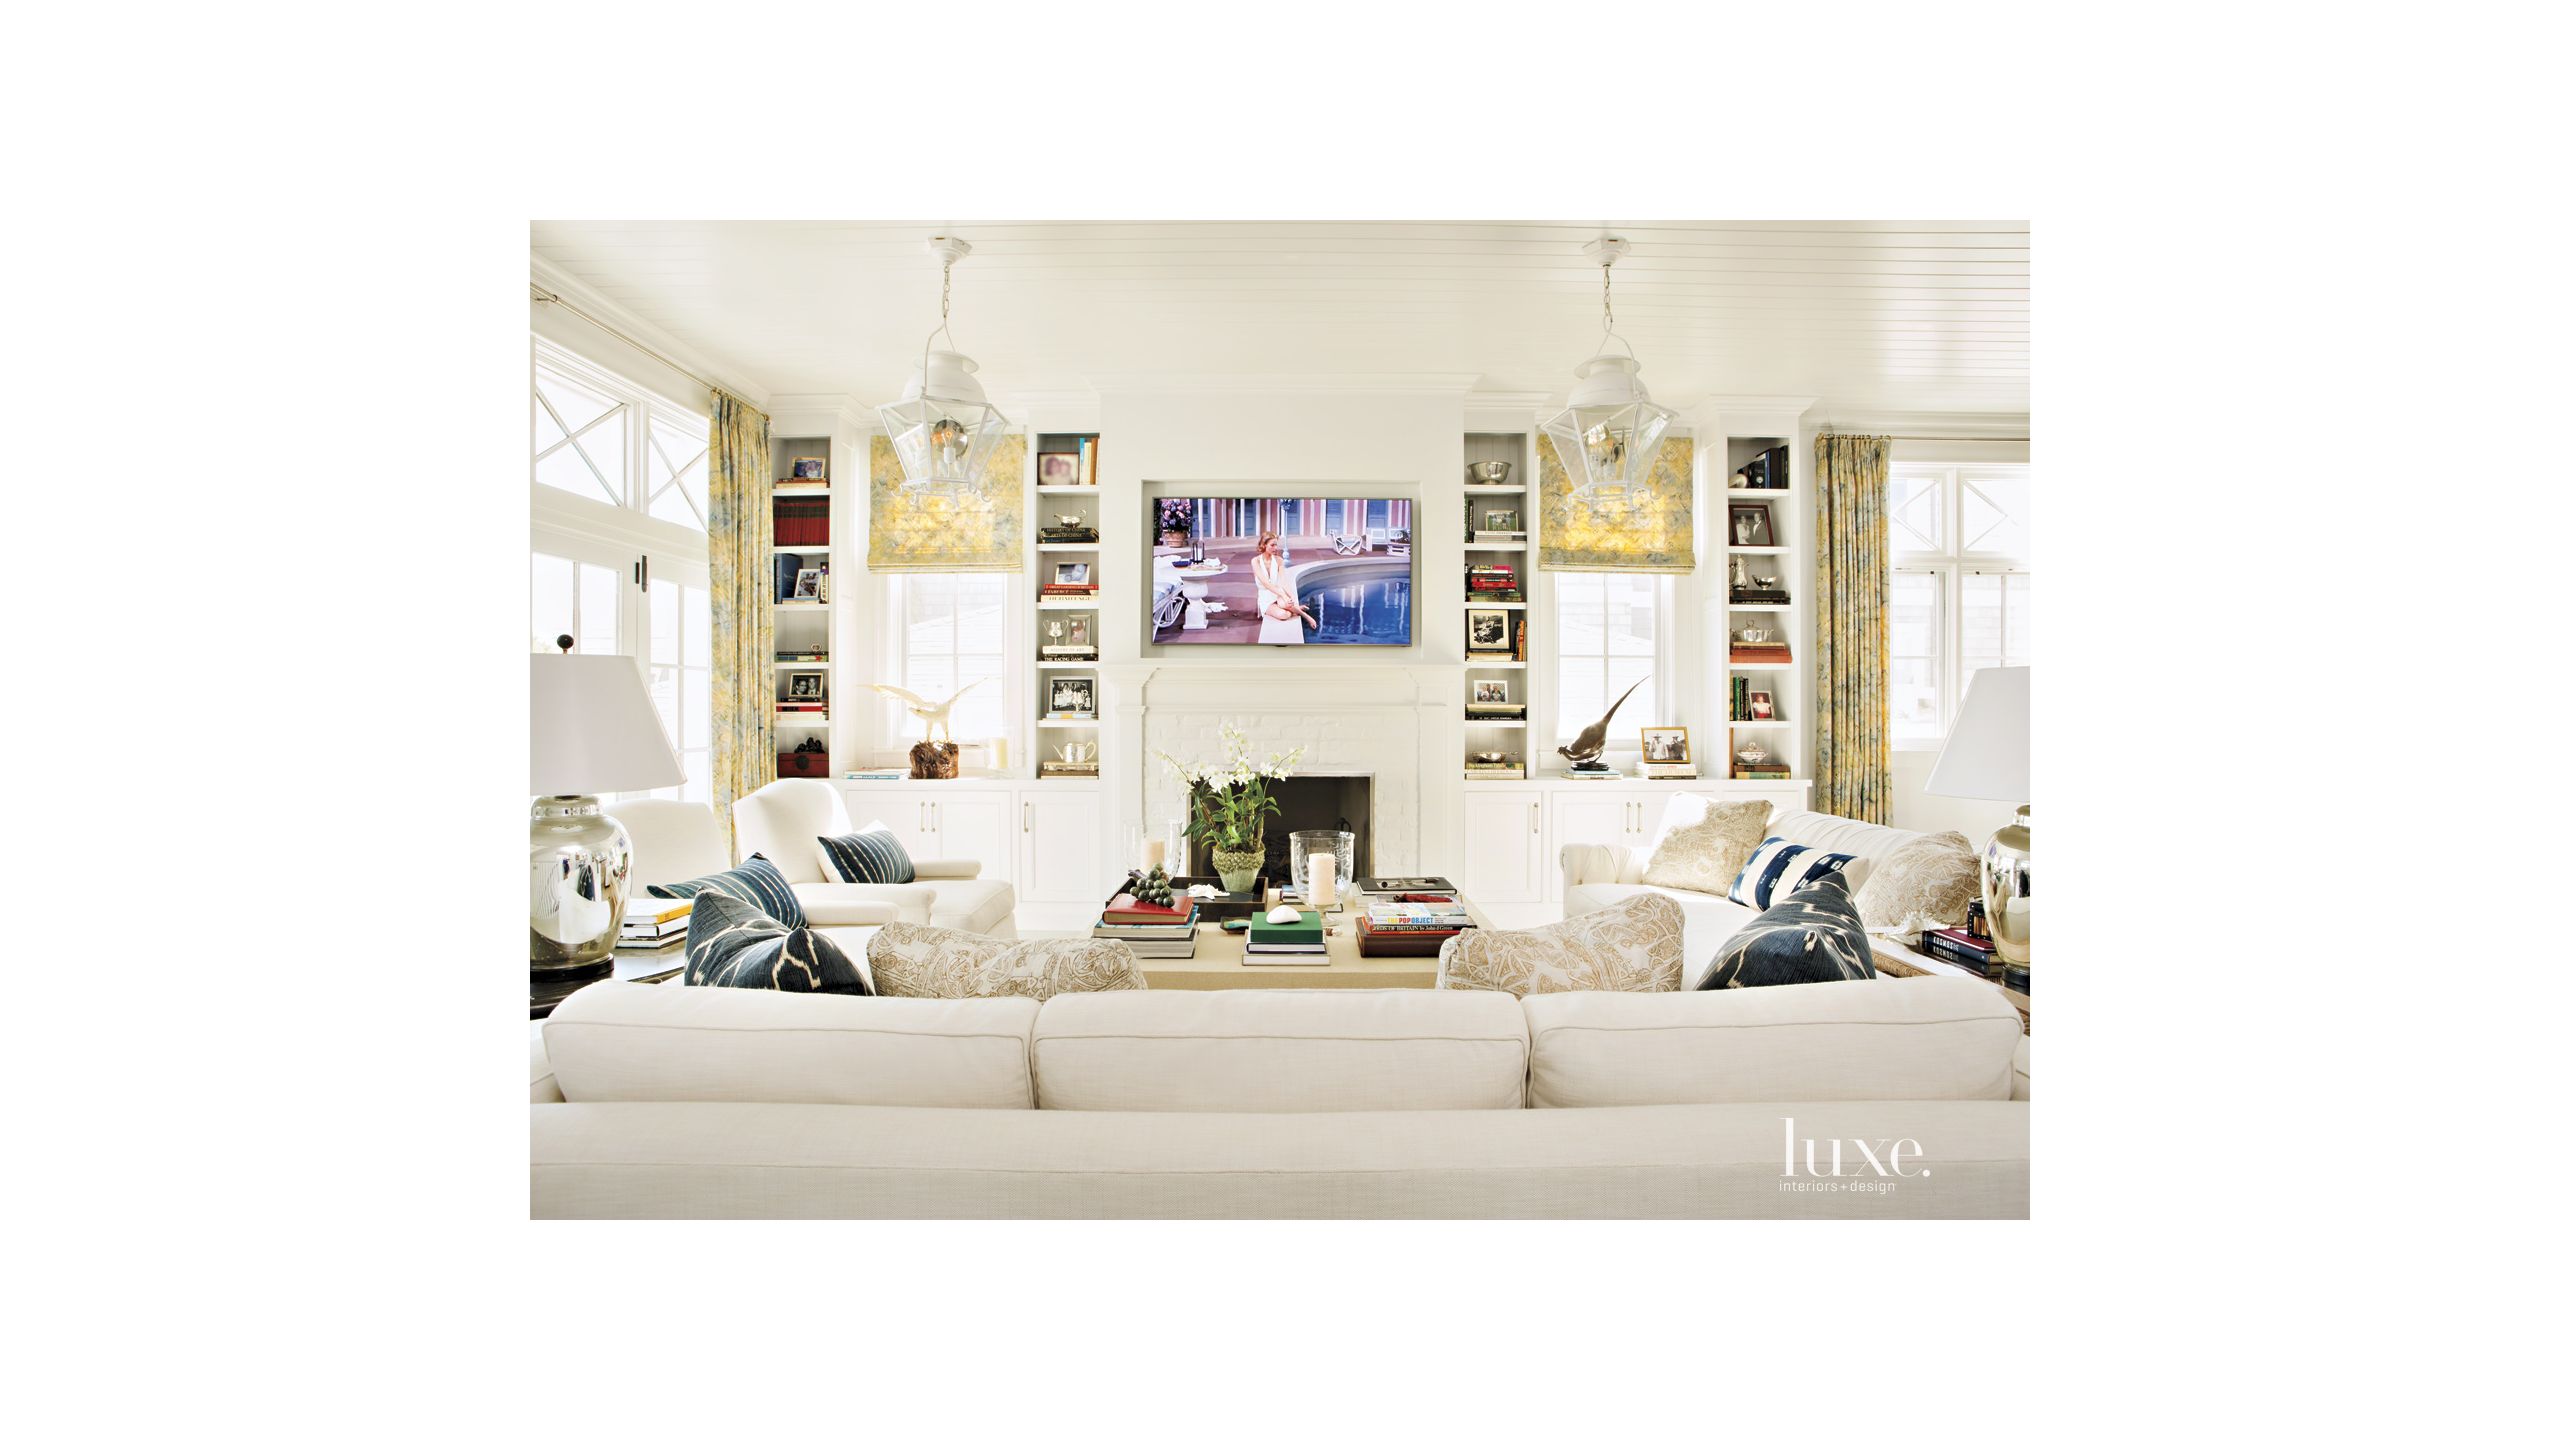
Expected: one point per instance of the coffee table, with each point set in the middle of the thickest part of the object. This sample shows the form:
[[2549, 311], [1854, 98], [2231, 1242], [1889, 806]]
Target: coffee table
[[1217, 963]]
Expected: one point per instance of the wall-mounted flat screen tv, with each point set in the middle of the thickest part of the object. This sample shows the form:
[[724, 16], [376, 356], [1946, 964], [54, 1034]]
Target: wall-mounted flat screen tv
[[1287, 570]]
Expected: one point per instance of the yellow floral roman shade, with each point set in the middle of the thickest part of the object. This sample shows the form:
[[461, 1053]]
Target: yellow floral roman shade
[[933, 532], [1655, 533]]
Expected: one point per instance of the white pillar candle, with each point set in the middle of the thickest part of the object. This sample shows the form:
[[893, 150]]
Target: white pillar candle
[[1150, 854], [1320, 880]]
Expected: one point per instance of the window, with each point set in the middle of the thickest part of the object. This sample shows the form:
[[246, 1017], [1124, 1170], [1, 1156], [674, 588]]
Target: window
[[680, 678], [580, 600], [1961, 550], [948, 631], [602, 438], [679, 468], [1608, 637]]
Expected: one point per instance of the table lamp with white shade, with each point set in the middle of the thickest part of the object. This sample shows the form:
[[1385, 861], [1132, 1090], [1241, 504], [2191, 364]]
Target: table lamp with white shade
[[1985, 758], [594, 731]]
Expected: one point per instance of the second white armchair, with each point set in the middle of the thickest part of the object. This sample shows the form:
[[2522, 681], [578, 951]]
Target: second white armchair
[[783, 821]]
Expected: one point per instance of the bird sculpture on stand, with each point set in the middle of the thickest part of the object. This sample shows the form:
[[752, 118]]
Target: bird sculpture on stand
[[934, 716], [1586, 749]]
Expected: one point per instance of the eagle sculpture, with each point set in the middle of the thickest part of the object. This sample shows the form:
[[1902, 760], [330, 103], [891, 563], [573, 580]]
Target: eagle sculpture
[[935, 716]]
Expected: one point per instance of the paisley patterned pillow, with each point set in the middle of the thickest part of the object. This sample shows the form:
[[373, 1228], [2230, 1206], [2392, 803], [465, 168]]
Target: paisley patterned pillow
[[1813, 934], [1928, 881], [1632, 945], [1706, 856], [732, 943], [927, 962]]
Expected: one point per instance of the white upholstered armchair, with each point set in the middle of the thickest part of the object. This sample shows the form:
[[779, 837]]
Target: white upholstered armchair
[[783, 821], [675, 840]]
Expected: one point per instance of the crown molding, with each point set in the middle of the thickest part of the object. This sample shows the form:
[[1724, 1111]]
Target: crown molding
[[721, 373], [1176, 382], [1927, 424]]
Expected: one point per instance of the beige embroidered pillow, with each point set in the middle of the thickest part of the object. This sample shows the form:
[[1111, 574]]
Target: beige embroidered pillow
[[925, 962], [1929, 880], [1632, 945], [1707, 855]]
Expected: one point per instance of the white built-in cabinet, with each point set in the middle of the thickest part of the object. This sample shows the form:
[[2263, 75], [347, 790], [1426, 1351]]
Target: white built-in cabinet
[[1506, 848], [1603, 814], [1060, 842], [949, 825]]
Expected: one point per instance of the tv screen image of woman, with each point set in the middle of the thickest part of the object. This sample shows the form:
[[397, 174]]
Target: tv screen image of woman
[[1288, 570]]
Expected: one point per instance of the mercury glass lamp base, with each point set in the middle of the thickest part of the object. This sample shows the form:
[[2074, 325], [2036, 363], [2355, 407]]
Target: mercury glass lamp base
[[581, 868]]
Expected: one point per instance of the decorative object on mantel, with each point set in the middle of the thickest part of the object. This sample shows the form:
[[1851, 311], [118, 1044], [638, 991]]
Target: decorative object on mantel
[[941, 425], [1587, 747], [1228, 801], [594, 730], [1985, 758], [934, 716], [1609, 430]]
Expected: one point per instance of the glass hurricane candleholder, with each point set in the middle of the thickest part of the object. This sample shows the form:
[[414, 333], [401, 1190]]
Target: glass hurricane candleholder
[[1304, 845]]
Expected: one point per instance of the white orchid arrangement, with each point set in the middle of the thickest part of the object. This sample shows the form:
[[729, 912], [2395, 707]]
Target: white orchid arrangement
[[1229, 797]]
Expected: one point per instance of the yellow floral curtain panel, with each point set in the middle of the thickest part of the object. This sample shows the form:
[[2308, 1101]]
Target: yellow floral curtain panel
[[1852, 585], [932, 532], [741, 601], [1655, 533]]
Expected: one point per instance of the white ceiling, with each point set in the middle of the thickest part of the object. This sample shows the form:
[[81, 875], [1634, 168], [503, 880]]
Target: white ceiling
[[1865, 316]]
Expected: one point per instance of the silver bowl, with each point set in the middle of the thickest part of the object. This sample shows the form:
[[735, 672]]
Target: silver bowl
[[1489, 472]]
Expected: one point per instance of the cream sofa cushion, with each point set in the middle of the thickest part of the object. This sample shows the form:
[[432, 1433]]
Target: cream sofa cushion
[[1833, 832], [1632, 945], [1935, 1038], [1268, 1051], [1705, 846], [620, 1042], [1930, 880], [928, 961]]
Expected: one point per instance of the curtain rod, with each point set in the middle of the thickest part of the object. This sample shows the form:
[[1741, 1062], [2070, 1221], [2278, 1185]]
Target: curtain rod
[[549, 298]]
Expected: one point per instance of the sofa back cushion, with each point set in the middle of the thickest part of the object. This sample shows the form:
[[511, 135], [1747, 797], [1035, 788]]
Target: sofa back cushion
[[1830, 832], [1934, 1038], [1282, 1051], [618, 1042]]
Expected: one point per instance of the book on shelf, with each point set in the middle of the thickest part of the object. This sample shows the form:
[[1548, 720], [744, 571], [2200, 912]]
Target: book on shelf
[[650, 910], [883, 773], [1405, 884], [1060, 587], [660, 945], [1497, 712], [1069, 652], [1068, 770], [800, 657], [1603, 773], [1757, 597], [1490, 537], [1088, 459], [1505, 596], [1667, 772], [1746, 772], [1763, 657], [1940, 945], [1497, 772]]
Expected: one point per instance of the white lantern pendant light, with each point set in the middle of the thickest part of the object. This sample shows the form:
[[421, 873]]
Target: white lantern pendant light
[[1609, 430], [941, 425]]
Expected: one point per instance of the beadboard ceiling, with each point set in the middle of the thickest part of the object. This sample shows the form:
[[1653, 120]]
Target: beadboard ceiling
[[1866, 316]]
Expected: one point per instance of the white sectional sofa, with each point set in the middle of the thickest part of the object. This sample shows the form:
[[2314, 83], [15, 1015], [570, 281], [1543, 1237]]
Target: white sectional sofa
[[1599, 876], [660, 1102]]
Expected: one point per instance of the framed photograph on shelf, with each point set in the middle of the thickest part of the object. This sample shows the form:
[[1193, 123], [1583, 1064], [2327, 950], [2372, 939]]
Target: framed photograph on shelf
[[807, 685], [1750, 525], [1057, 467], [1080, 630], [1493, 692], [804, 586], [1488, 632], [1071, 697], [1665, 744], [1073, 572], [809, 467], [1764, 705], [1502, 520]]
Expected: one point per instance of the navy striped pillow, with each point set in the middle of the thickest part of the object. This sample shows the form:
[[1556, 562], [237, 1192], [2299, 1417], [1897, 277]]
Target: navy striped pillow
[[1780, 867], [869, 856], [757, 881]]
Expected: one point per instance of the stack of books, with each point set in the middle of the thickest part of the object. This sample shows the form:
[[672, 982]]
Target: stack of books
[[1961, 947], [786, 485], [1495, 710], [800, 657], [785, 705], [1055, 591], [1071, 769], [1407, 887], [1410, 928], [883, 773], [1069, 535], [1495, 537], [1651, 771], [1761, 772], [1757, 597], [1509, 769], [1299, 942], [1493, 582], [1576, 772], [799, 521], [653, 927], [1155, 932], [1774, 652]]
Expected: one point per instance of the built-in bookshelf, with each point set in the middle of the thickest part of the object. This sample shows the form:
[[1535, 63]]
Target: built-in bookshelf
[[1495, 538], [1066, 569], [1764, 651], [804, 576]]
